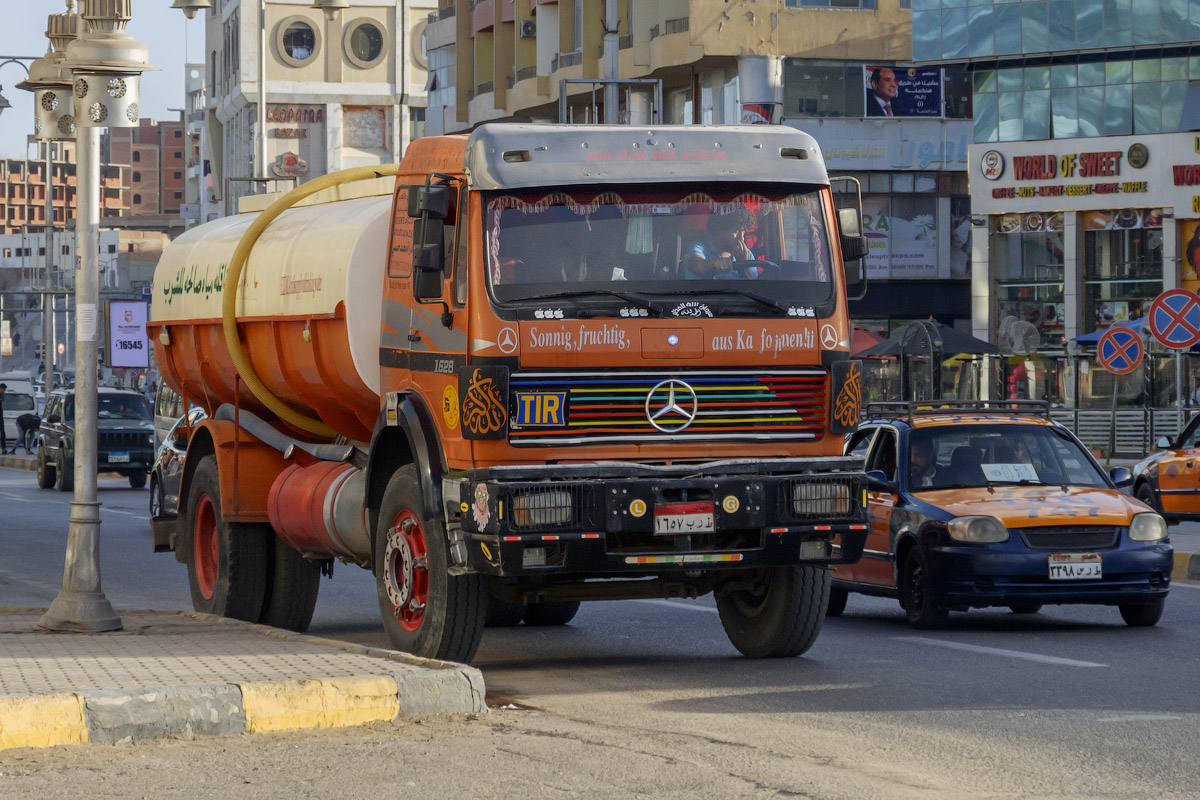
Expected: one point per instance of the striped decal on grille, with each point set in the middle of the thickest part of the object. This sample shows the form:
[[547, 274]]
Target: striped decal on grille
[[611, 407]]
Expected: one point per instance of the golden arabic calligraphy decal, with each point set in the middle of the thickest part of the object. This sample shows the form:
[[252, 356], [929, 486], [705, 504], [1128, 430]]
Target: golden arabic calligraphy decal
[[484, 410], [847, 407]]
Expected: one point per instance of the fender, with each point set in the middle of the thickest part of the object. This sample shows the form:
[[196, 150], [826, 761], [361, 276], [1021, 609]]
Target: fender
[[246, 468], [412, 439]]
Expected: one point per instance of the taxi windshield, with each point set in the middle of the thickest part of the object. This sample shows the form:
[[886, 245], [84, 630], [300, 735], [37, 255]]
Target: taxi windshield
[[953, 456], [754, 249]]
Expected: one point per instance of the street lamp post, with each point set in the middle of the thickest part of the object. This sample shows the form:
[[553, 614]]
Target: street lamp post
[[106, 66]]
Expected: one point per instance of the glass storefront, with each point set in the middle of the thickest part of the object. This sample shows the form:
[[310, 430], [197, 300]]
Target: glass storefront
[[1122, 265], [1029, 274]]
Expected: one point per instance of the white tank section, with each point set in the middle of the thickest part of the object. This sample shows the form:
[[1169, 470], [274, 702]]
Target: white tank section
[[306, 262]]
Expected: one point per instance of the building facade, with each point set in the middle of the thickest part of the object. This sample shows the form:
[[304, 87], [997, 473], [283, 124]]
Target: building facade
[[343, 91], [155, 153], [810, 64], [23, 190]]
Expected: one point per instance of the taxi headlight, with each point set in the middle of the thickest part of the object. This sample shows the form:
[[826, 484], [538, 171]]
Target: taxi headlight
[[1147, 527], [977, 530]]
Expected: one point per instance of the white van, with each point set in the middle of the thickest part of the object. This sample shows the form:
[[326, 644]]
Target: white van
[[18, 400]]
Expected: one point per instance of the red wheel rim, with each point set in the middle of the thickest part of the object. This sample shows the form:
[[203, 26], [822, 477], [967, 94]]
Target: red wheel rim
[[406, 570], [204, 547]]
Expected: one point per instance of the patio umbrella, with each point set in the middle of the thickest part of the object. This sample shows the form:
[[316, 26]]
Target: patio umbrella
[[952, 342], [861, 339], [1136, 325]]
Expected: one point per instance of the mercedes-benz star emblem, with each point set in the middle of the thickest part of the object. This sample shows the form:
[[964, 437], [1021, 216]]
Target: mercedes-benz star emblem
[[508, 341], [671, 406], [829, 339]]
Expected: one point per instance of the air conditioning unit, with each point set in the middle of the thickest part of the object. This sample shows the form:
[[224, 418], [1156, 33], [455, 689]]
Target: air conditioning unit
[[528, 29]]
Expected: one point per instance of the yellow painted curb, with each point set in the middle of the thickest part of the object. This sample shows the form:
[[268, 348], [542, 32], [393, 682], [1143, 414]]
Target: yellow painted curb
[[43, 720], [308, 704], [1179, 570]]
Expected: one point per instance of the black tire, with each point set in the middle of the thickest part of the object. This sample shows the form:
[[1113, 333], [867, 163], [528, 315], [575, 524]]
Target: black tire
[[292, 586], [837, 601], [411, 558], [45, 472], [233, 583], [546, 614], [780, 616], [503, 615], [157, 497], [923, 614], [64, 473], [1025, 607], [1142, 615], [1145, 492], [137, 480]]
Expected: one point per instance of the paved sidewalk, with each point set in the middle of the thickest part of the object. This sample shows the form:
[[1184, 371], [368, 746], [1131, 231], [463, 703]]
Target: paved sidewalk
[[184, 674]]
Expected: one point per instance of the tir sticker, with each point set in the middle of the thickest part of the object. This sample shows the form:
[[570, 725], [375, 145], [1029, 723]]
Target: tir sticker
[[450, 407], [545, 409], [484, 412], [479, 508]]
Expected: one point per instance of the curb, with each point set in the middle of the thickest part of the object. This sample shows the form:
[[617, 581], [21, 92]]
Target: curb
[[1187, 567], [416, 687], [19, 462]]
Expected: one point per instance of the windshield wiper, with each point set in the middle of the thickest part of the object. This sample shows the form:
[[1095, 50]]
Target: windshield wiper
[[762, 301], [632, 299]]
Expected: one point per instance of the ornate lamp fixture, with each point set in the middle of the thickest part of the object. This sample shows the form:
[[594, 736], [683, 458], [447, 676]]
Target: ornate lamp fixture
[[50, 80], [106, 64]]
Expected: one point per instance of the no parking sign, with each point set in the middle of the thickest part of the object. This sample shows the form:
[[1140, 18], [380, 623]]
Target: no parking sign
[[1120, 350], [1175, 318]]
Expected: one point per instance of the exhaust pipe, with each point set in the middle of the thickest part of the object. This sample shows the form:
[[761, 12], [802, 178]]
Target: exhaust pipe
[[319, 510]]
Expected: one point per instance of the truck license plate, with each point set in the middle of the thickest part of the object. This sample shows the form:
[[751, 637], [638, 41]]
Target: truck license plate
[[1075, 566], [683, 518], [118, 458]]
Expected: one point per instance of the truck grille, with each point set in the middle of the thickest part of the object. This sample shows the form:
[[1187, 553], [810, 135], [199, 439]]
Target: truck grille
[[120, 440], [1069, 537], [729, 405]]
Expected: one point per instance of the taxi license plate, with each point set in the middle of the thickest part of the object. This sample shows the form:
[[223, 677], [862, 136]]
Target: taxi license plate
[[1075, 566], [683, 518], [118, 458]]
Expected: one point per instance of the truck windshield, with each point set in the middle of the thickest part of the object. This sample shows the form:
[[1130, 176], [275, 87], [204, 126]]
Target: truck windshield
[[662, 242]]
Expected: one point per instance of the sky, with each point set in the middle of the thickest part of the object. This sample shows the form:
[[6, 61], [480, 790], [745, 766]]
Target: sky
[[171, 37]]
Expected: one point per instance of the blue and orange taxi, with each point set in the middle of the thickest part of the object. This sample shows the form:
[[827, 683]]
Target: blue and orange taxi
[[977, 504], [1169, 481]]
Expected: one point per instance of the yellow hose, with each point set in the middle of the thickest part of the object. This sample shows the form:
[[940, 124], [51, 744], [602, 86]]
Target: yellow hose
[[233, 278]]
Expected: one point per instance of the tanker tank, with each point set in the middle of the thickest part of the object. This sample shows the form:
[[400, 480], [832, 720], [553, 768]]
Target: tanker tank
[[308, 308]]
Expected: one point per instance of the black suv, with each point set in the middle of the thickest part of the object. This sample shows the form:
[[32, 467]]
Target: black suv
[[125, 437]]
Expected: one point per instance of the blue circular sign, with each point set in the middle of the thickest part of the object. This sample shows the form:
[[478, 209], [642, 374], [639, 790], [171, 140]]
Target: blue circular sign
[[1120, 350], [1175, 318]]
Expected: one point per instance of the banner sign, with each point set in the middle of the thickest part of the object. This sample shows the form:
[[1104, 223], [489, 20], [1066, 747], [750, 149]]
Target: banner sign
[[127, 342], [903, 91]]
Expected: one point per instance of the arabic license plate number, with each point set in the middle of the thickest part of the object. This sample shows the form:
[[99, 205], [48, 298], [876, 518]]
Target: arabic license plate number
[[1075, 566], [683, 518], [118, 458]]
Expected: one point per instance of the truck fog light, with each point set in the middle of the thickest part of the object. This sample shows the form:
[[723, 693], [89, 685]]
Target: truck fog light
[[814, 548], [542, 509], [821, 499], [533, 557]]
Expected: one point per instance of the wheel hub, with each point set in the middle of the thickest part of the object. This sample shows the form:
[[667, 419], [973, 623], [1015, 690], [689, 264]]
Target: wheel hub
[[406, 576]]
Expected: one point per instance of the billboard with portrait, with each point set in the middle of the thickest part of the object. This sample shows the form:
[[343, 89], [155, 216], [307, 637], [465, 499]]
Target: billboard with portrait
[[902, 91]]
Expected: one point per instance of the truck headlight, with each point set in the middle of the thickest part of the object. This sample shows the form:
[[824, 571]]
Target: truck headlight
[[977, 530], [1147, 527], [816, 499], [543, 509]]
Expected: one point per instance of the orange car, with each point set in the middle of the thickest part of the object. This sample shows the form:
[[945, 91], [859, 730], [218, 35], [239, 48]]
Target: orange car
[[980, 505]]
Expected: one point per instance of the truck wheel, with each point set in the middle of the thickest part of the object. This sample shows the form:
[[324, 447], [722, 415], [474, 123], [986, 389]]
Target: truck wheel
[[426, 611], [45, 472], [1142, 615], [227, 562], [66, 478], [923, 614], [543, 614], [292, 586], [137, 480], [503, 615], [780, 615], [837, 601]]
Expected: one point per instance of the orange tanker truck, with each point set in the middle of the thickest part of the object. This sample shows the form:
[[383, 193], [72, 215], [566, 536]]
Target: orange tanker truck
[[524, 368]]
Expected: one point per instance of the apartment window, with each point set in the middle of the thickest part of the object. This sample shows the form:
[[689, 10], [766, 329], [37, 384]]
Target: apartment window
[[137, 198], [66, 249], [296, 41], [112, 248], [178, 175], [178, 134], [178, 195], [137, 176], [137, 156], [364, 44]]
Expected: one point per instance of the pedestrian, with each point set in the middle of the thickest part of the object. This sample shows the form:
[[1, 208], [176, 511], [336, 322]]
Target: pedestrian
[[3, 433], [27, 426]]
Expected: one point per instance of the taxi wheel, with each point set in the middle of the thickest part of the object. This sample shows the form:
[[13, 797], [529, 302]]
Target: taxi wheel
[[1148, 496], [1025, 607], [778, 614], [1142, 615], [837, 602], [923, 614]]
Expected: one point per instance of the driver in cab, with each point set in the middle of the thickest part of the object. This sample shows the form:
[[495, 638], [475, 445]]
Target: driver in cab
[[718, 253]]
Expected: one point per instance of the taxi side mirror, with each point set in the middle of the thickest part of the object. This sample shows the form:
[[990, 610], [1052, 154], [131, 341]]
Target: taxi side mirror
[[877, 481], [1163, 443], [1121, 477]]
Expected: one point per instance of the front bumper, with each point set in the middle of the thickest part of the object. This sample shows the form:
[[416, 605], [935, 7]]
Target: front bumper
[[978, 578], [600, 518]]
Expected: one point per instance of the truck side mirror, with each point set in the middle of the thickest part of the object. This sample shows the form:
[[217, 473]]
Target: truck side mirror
[[854, 244], [429, 260], [431, 200]]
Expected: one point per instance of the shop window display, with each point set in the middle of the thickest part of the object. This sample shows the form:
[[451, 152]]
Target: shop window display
[[1029, 273], [1122, 265]]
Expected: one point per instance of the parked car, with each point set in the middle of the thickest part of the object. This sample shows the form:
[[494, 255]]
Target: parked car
[[982, 505], [168, 465], [1169, 481], [125, 437], [168, 409]]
